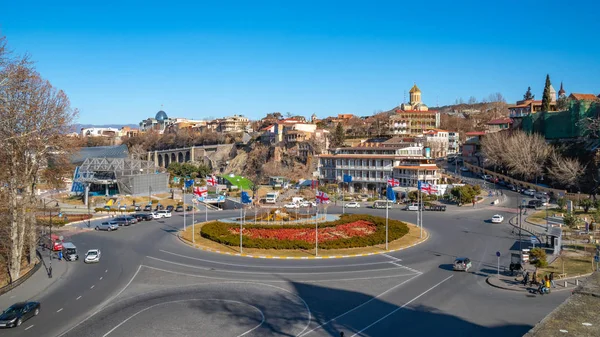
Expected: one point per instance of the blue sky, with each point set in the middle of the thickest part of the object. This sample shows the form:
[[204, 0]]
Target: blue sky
[[119, 61]]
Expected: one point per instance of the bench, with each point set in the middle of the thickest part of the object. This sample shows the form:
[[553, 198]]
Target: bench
[[559, 276]]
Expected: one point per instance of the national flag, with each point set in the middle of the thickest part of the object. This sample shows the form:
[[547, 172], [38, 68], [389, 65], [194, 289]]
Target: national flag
[[347, 178], [211, 181], [427, 188], [393, 182], [314, 184], [246, 198], [322, 198], [391, 195], [201, 191], [189, 183]]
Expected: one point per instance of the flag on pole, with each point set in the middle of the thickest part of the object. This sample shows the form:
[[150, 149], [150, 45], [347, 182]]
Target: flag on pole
[[347, 178], [391, 195], [427, 188], [322, 198], [189, 183], [393, 182], [211, 181], [246, 198], [314, 184], [201, 191]]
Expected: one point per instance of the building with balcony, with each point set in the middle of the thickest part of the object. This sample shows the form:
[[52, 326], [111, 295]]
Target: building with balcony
[[499, 124], [411, 171], [453, 142], [437, 141], [370, 164], [235, 123]]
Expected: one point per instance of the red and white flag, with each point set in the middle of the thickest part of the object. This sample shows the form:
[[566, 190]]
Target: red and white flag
[[393, 182], [428, 188], [322, 198], [211, 181], [201, 191]]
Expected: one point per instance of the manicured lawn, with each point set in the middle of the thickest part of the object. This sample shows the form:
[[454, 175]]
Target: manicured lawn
[[572, 262], [239, 181]]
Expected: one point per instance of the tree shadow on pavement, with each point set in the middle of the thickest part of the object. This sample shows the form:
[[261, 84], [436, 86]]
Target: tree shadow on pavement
[[337, 310]]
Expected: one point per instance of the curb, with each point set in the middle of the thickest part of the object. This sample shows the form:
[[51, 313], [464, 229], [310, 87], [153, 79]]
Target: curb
[[427, 236], [487, 280], [82, 221]]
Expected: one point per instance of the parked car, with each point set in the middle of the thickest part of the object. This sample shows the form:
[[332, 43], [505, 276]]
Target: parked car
[[352, 205], [541, 195], [462, 264], [18, 313], [291, 206], [122, 221], [412, 207], [148, 208], [535, 204], [486, 177], [170, 208], [464, 169], [70, 251], [123, 208], [529, 192], [142, 216], [497, 218], [107, 226], [92, 256], [161, 214], [159, 207], [179, 208], [131, 218], [137, 208]]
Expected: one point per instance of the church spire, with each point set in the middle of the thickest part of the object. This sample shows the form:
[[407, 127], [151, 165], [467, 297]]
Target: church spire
[[562, 91]]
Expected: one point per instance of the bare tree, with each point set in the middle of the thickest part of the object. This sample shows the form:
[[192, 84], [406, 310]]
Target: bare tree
[[494, 146], [33, 117], [565, 171], [526, 154]]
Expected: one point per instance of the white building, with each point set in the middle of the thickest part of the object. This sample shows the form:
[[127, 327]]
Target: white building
[[99, 132], [437, 140], [453, 142]]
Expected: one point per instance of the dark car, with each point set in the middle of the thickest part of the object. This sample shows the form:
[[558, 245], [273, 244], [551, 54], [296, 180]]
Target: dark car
[[142, 216], [148, 208], [137, 208], [179, 208], [122, 221], [159, 207], [535, 204], [18, 313], [170, 208]]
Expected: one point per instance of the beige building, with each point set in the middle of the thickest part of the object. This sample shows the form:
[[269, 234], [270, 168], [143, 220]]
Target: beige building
[[413, 118], [234, 123]]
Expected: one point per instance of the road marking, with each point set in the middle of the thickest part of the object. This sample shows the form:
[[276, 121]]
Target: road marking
[[101, 277], [391, 257], [92, 287], [13, 296], [59, 310], [78, 298], [29, 327], [195, 299], [106, 271], [404, 305], [359, 306]]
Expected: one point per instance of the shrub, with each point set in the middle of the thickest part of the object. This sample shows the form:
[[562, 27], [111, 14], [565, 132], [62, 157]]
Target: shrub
[[538, 257], [586, 204], [572, 221], [561, 202], [220, 232]]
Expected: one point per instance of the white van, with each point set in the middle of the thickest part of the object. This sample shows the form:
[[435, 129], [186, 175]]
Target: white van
[[70, 251], [297, 200]]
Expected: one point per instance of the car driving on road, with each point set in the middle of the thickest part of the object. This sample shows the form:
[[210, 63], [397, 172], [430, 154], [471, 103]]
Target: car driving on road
[[142, 216], [107, 226], [352, 204], [462, 264], [497, 218], [529, 192], [412, 207], [291, 206], [92, 256], [18, 313], [161, 214]]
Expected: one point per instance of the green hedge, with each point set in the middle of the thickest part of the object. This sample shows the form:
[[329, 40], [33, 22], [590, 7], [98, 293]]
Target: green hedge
[[219, 232]]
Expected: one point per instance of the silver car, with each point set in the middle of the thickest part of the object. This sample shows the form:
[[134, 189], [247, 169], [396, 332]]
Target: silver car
[[107, 226]]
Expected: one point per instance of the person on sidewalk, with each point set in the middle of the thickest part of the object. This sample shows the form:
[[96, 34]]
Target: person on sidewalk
[[552, 280], [473, 202], [526, 278]]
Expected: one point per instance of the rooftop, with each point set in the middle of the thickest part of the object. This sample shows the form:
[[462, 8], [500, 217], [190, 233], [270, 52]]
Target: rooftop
[[475, 133], [577, 316], [584, 97]]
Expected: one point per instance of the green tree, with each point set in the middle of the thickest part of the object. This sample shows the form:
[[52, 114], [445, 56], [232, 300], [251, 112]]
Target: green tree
[[562, 103], [572, 221], [538, 257], [339, 136], [561, 202], [528, 95], [464, 194], [547, 97], [586, 204]]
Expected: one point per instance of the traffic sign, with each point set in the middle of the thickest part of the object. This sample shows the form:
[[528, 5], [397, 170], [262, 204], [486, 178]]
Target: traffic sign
[[498, 254]]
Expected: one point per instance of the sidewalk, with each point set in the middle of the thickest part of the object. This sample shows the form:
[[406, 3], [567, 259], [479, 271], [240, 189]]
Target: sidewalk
[[508, 282], [37, 284]]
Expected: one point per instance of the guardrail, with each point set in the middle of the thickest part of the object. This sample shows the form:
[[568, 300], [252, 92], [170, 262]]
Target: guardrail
[[23, 278]]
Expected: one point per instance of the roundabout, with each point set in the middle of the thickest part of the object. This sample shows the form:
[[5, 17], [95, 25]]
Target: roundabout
[[149, 283]]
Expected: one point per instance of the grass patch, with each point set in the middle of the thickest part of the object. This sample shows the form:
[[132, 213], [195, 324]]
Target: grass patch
[[539, 217], [411, 238], [572, 263]]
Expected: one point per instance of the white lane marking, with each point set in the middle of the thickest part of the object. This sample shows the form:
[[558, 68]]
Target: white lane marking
[[359, 306], [92, 287], [29, 327], [13, 296], [195, 299], [404, 305], [391, 257], [78, 298], [101, 277], [59, 310], [101, 306], [280, 267], [106, 271], [271, 273]]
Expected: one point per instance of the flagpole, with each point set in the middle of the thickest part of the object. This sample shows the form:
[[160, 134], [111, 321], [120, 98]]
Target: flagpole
[[317, 230], [343, 197], [386, 224], [241, 218], [184, 187], [193, 224]]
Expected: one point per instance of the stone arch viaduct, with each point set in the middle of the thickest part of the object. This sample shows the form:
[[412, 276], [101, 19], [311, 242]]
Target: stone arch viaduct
[[206, 154]]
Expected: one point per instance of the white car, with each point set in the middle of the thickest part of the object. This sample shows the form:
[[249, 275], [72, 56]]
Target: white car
[[92, 256], [308, 204], [464, 169], [497, 218], [161, 214], [291, 206], [352, 204], [530, 192], [486, 177], [412, 207]]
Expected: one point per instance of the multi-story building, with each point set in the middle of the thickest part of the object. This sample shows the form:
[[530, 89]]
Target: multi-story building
[[99, 132], [437, 141], [453, 142], [413, 118], [471, 149], [235, 123], [525, 107], [499, 124], [371, 164], [409, 172]]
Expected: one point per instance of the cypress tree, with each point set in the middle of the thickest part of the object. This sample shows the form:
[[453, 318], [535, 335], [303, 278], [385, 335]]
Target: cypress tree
[[339, 135], [528, 95], [546, 98]]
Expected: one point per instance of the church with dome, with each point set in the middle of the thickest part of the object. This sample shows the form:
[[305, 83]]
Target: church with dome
[[158, 123], [415, 103]]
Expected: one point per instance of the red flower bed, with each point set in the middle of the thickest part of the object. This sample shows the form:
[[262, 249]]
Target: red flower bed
[[353, 229]]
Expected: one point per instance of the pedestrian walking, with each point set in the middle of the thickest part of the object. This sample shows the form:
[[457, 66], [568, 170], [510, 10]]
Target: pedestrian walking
[[60, 255], [526, 278], [552, 280], [473, 202]]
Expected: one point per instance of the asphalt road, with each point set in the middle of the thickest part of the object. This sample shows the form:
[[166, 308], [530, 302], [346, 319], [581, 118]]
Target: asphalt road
[[150, 284]]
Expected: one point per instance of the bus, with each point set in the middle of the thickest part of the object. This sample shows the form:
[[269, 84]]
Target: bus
[[382, 204]]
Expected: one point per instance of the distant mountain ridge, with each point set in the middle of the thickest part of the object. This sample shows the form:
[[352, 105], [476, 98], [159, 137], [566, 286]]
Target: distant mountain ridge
[[78, 127]]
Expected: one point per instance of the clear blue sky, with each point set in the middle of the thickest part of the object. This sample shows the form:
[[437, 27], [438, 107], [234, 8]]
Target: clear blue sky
[[119, 61]]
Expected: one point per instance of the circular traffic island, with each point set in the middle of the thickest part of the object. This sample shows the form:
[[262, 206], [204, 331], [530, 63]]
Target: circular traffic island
[[349, 235]]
